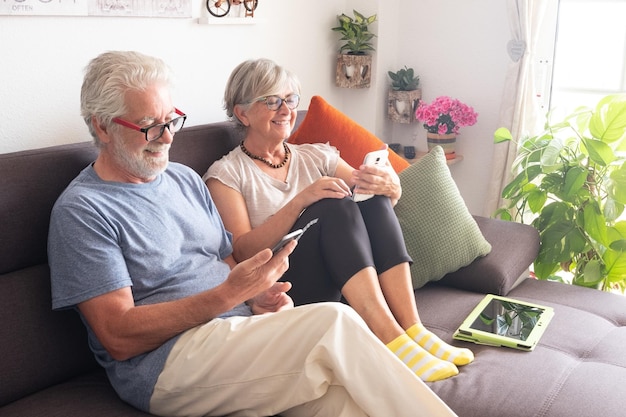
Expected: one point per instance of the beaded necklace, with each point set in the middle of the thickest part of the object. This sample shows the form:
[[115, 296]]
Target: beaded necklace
[[265, 161]]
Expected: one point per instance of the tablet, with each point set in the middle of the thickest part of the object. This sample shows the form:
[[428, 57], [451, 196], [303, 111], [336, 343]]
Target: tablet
[[502, 321]]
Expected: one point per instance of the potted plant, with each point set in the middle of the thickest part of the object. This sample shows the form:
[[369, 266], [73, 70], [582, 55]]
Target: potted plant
[[354, 62], [404, 95], [442, 120], [571, 186]]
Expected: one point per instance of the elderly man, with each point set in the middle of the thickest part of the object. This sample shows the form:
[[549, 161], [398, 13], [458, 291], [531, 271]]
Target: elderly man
[[137, 247]]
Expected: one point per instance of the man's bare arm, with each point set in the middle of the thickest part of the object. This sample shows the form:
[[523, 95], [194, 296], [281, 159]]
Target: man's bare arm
[[126, 330]]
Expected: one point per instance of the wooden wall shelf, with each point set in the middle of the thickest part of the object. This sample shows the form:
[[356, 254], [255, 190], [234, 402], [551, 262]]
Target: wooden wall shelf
[[420, 155]]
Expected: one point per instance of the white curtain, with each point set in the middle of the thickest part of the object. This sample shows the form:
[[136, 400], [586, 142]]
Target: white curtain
[[520, 108]]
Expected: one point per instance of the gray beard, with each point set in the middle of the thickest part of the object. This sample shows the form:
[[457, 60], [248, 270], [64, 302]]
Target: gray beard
[[141, 166]]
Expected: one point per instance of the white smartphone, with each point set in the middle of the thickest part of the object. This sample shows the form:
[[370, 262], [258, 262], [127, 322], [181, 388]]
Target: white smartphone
[[295, 235], [378, 158]]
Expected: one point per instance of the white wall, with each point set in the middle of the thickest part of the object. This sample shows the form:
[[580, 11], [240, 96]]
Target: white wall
[[43, 58], [457, 47]]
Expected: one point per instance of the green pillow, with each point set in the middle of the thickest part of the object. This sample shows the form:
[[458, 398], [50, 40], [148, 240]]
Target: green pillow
[[440, 233]]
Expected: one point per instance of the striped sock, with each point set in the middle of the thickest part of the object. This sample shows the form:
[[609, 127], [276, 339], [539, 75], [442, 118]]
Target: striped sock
[[437, 347], [426, 366]]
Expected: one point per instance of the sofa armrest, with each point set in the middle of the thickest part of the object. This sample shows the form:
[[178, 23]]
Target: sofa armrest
[[514, 247]]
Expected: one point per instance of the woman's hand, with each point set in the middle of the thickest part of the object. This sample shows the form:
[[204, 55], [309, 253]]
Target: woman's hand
[[325, 187], [370, 179]]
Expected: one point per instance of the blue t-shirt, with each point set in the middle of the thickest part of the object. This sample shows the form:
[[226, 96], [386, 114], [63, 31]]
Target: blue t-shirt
[[164, 239]]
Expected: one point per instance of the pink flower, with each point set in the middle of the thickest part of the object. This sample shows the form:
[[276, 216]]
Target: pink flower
[[445, 115]]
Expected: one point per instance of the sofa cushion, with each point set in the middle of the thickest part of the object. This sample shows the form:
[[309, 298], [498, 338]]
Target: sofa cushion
[[39, 348], [576, 369], [198, 146], [30, 182], [440, 233], [324, 123], [87, 395], [498, 272]]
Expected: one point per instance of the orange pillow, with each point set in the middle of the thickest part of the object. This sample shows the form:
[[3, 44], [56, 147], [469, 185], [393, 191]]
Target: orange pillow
[[324, 123]]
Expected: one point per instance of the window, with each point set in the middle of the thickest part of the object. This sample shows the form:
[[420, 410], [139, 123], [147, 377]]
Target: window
[[589, 53]]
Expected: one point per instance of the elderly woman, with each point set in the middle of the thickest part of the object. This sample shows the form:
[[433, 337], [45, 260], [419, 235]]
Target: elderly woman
[[266, 188]]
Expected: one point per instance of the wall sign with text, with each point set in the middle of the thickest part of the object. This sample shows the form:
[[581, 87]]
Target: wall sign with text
[[131, 8]]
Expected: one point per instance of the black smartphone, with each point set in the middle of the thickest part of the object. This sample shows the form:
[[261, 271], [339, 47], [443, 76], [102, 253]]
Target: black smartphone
[[295, 235]]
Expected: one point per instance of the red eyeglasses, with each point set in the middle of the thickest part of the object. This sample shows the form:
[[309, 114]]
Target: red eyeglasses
[[155, 131]]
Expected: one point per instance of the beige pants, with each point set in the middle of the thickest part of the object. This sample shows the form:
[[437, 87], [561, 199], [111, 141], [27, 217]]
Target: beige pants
[[314, 360]]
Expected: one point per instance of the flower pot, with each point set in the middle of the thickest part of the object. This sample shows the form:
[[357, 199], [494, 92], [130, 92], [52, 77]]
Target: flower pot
[[447, 142], [401, 105], [354, 71]]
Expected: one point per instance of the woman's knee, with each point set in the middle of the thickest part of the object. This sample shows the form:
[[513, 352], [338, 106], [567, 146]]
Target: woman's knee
[[337, 206]]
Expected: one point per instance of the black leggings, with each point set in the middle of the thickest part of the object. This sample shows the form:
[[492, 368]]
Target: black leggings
[[347, 237]]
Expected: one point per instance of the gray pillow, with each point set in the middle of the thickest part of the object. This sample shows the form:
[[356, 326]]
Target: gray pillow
[[440, 233]]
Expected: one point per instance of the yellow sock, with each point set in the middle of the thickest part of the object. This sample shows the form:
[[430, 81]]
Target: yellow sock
[[437, 347], [426, 366]]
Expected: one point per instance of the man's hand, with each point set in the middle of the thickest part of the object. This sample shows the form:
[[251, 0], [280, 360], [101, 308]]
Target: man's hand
[[272, 300], [259, 273], [126, 330]]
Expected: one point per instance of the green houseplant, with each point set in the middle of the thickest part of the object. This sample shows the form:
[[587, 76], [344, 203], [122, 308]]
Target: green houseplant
[[404, 79], [355, 32], [571, 186], [354, 62], [404, 95]]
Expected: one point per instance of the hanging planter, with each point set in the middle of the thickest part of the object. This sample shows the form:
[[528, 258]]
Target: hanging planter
[[354, 71], [354, 64], [401, 105], [404, 95]]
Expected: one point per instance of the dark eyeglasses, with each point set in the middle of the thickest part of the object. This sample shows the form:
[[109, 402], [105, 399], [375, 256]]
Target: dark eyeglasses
[[155, 131], [274, 102]]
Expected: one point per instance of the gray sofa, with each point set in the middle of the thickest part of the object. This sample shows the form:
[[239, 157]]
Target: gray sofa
[[46, 369]]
